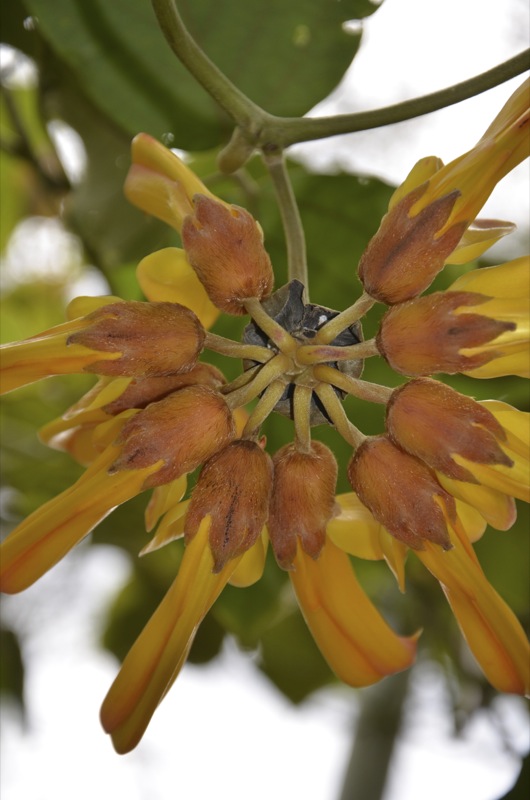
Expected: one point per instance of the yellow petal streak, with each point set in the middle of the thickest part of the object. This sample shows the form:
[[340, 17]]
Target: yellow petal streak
[[33, 359], [158, 654], [353, 637], [488, 624], [44, 537]]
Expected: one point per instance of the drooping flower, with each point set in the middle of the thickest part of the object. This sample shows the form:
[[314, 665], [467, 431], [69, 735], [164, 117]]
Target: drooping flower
[[445, 466]]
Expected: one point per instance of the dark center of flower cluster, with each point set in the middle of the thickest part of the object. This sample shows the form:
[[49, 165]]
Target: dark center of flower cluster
[[302, 320]]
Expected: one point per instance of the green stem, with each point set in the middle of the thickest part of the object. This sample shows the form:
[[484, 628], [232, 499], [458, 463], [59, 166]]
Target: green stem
[[292, 224], [237, 105], [272, 134], [285, 131]]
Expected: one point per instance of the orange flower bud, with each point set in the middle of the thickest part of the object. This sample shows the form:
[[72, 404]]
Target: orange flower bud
[[420, 409], [234, 489], [225, 248], [402, 493], [182, 431], [303, 501], [153, 338], [142, 391], [404, 256], [425, 335]]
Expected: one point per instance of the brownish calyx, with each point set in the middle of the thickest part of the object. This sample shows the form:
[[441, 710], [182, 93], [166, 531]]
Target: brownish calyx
[[142, 391], [302, 502], [225, 248], [402, 493], [404, 256], [424, 336], [234, 489], [183, 430], [153, 339], [420, 409]]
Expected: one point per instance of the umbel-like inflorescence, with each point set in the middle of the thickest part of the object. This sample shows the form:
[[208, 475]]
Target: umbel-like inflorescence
[[444, 466]]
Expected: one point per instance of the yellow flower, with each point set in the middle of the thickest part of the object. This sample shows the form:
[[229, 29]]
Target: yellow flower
[[490, 627], [435, 206], [445, 466], [118, 339]]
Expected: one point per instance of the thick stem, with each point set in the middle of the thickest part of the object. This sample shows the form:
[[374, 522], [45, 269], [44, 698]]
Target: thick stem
[[346, 318], [338, 416], [227, 347], [280, 132], [292, 224], [237, 105], [375, 738], [308, 354], [281, 338], [371, 392], [273, 134]]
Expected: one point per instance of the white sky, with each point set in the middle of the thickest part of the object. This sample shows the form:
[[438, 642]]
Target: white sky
[[223, 731]]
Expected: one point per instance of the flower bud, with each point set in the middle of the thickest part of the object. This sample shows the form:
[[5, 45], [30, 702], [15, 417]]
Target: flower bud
[[420, 409], [142, 391], [303, 501], [153, 338], [402, 493], [427, 335], [159, 183], [225, 248], [181, 431], [234, 489], [405, 255]]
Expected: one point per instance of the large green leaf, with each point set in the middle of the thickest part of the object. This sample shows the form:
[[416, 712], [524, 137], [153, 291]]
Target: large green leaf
[[287, 56]]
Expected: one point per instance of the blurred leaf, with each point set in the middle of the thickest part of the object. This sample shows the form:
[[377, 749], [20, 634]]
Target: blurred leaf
[[136, 601], [291, 659], [118, 57], [248, 612], [11, 667]]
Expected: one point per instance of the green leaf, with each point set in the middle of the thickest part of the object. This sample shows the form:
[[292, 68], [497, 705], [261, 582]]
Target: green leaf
[[291, 659], [116, 55]]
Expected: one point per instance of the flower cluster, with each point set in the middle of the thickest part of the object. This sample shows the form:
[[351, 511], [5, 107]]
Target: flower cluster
[[444, 467]]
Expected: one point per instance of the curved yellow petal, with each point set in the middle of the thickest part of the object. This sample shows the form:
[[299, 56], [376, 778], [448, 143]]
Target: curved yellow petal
[[353, 637], [41, 540], [83, 305], [472, 520], [517, 363], [160, 651], [170, 528], [479, 237], [490, 627], [355, 530], [503, 280], [424, 169], [497, 508], [252, 563], [163, 499], [512, 480], [167, 276]]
